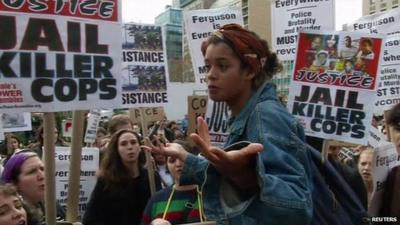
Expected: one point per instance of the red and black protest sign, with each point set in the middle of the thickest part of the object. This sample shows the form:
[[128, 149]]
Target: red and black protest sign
[[56, 52]]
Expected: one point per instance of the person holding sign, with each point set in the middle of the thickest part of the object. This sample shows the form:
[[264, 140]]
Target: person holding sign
[[391, 195], [177, 204], [265, 183], [122, 188]]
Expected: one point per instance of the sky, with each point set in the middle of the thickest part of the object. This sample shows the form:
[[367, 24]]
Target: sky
[[144, 11]]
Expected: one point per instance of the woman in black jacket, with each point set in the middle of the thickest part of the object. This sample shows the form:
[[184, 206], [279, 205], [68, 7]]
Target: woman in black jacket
[[122, 189]]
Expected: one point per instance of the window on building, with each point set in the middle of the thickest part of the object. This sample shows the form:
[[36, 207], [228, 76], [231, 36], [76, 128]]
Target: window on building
[[372, 8]]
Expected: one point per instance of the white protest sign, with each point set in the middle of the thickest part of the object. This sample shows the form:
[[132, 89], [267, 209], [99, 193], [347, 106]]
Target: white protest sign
[[385, 159], [89, 166], [376, 138], [289, 17], [53, 55], [217, 116], [199, 25], [388, 93], [332, 95], [92, 124], [13, 122], [387, 22], [144, 66]]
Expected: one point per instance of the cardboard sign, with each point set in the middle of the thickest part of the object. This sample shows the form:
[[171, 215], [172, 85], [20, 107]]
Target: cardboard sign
[[151, 114], [197, 106]]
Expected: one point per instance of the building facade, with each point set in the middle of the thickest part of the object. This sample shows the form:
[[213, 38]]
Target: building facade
[[171, 20], [376, 6]]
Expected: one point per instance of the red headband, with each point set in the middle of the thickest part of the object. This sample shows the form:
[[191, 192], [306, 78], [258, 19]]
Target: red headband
[[245, 44]]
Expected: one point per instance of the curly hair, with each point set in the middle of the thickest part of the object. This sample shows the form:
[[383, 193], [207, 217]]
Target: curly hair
[[253, 52]]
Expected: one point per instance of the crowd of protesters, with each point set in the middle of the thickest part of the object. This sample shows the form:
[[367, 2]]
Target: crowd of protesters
[[268, 181]]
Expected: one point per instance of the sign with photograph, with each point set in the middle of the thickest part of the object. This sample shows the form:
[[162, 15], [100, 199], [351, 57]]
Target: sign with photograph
[[333, 87], [144, 67], [13, 122]]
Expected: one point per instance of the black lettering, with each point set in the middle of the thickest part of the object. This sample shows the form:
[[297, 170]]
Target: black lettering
[[86, 7], [314, 123], [304, 93], [36, 90], [106, 9], [102, 66], [61, 67], [87, 86], [358, 131], [42, 32], [339, 99], [321, 95], [8, 32], [298, 108], [74, 37], [352, 102], [92, 40], [5, 61], [343, 128], [16, 4], [329, 127], [41, 66], [37, 5], [82, 66], [59, 90], [25, 64], [108, 88]]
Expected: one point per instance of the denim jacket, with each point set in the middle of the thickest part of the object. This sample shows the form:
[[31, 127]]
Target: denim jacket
[[283, 168]]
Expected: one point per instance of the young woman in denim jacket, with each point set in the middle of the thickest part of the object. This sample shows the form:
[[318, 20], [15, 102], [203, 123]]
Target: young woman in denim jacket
[[267, 183]]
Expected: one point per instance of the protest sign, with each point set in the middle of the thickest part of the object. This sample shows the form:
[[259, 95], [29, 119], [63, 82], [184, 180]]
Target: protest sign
[[66, 128], [385, 159], [92, 124], [333, 88], [376, 138], [289, 17], [59, 52], [387, 22], [90, 164], [197, 106], [150, 114], [13, 122], [388, 93], [144, 67], [217, 116], [199, 25]]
